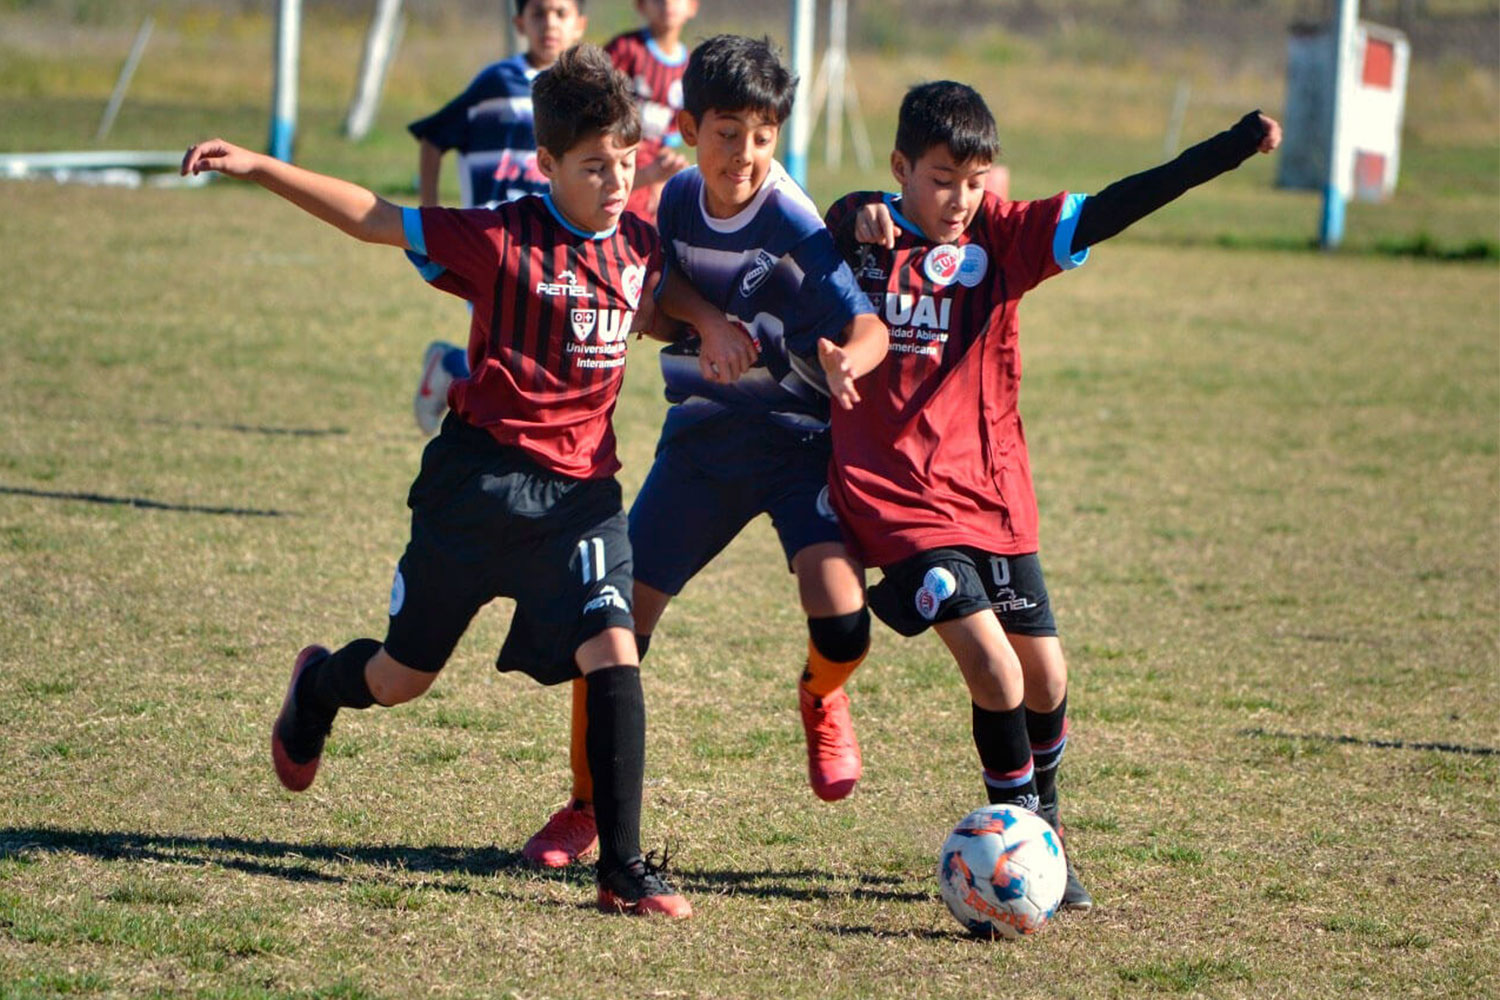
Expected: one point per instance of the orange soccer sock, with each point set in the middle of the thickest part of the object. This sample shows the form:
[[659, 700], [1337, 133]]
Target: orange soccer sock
[[835, 647], [578, 755]]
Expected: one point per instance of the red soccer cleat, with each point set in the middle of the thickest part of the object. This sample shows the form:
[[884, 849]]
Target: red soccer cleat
[[640, 889], [833, 764], [294, 774], [568, 835]]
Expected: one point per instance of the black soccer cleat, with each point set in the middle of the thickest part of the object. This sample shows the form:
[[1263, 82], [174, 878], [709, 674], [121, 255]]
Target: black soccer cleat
[[297, 735], [639, 887], [1075, 896]]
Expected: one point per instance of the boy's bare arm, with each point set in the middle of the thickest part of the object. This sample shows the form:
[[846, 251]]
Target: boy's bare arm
[[429, 171], [358, 212], [865, 344], [727, 350]]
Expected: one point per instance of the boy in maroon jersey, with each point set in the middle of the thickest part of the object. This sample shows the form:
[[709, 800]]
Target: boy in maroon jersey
[[930, 474], [654, 58], [516, 496]]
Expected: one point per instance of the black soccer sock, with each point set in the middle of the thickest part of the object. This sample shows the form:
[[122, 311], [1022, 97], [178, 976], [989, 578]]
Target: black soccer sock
[[1048, 732], [1005, 753], [616, 743], [339, 680], [836, 646]]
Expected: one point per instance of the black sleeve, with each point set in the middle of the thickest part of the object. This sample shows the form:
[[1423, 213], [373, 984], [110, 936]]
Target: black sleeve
[[1133, 198]]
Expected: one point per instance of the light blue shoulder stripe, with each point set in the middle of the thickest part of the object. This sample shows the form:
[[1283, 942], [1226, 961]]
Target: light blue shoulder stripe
[[416, 238], [411, 227], [901, 220], [1062, 238]]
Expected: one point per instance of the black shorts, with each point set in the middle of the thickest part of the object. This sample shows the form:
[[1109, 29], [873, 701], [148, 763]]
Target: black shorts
[[944, 584], [487, 522]]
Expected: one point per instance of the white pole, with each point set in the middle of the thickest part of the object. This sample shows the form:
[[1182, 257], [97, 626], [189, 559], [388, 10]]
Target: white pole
[[137, 49], [284, 96], [1340, 167], [838, 36], [380, 49], [804, 13]]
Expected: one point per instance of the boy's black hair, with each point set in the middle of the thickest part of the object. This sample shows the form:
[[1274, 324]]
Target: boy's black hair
[[582, 95], [730, 73], [521, 6], [944, 113]]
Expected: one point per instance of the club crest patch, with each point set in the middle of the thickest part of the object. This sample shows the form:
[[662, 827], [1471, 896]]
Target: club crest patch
[[937, 586], [765, 263], [975, 265], [583, 322], [631, 280], [943, 263]]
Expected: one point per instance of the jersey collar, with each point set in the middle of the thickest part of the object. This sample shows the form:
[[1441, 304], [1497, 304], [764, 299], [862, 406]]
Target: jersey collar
[[891, 201], [547, 198], [660, 54]]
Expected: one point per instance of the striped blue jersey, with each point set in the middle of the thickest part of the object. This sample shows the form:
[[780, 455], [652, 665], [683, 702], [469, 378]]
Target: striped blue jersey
[[490, 127], [773, 268]]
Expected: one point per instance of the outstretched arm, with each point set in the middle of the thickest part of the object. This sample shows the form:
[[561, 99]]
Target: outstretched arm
[[358, 212], [1129, 200], [865, 346], [727, 350]]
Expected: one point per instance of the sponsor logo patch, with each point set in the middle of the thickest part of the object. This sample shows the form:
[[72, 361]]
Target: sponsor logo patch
[[937, 586], [975, 265], [398, 593], [608, 597], [943, 263]]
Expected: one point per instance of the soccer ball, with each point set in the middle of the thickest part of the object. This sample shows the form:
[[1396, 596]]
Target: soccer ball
[[1002, 871]]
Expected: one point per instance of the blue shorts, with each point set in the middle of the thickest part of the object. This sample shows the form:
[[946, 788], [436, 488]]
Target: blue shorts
[[711, 480]]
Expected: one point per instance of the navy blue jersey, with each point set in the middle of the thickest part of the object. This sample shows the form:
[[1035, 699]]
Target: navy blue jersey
[[773, 268], [490, 126]]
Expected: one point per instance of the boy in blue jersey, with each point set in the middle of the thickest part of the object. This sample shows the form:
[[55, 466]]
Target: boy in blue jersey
[[490, 127], [748, 430]]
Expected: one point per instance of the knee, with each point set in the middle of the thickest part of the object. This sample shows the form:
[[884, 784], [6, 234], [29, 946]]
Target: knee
[[391, 683], [841, 638]]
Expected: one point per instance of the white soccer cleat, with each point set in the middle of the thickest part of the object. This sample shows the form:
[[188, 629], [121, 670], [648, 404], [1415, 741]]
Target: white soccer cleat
[[431, 400]]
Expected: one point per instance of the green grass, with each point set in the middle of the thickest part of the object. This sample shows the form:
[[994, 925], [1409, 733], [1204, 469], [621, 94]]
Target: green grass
[[1269, 487]]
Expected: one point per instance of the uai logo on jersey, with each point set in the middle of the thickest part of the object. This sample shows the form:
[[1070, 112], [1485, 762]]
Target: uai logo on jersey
[[765, 263], [583, 322], [631, 280], [943, 263], [937, 586]]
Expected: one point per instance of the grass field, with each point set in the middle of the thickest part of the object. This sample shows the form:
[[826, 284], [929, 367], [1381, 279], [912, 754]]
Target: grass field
[[1270, 487]]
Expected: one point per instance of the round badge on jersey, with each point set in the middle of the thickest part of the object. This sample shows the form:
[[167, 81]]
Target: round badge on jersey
[[825, 506], [943, 263], [398, 593], [975, 265], [937, 586]]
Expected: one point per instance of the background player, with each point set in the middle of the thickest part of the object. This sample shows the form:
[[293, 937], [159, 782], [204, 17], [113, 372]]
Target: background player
[[654, 58], [490, 127], [747, 431], [517, 495], [931, 476]]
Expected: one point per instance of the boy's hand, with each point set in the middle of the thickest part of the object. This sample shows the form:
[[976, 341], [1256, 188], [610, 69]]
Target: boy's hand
[[216, 154], [1272, 138], [727, 350], [667, 163], [873, 224], [840, 373]]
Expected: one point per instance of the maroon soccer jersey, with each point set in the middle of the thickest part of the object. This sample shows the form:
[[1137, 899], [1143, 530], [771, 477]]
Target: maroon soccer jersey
[[553, 307], [934, 455], [656, 79]]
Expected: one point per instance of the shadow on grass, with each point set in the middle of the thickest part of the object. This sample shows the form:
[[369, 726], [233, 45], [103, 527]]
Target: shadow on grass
[[276, 858], [141, 503], [296, 862], [261, 429]]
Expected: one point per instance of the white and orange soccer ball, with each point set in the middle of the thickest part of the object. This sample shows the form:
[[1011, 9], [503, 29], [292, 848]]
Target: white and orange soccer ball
[[1002, 872]]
